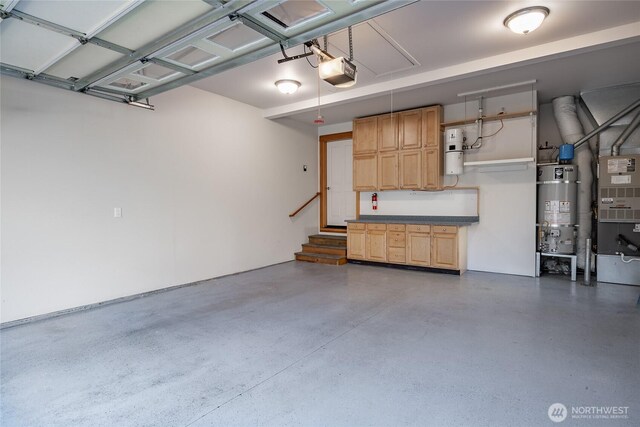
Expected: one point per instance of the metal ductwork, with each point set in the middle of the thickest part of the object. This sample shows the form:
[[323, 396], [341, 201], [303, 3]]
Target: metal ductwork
[[603, 104], [616, 111]]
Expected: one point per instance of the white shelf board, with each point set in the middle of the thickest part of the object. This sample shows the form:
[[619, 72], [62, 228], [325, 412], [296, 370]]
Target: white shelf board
[[522, 160]]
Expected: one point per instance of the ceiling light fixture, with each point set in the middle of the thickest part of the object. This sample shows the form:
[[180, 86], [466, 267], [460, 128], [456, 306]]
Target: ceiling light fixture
[[526, 20], [288, 86]]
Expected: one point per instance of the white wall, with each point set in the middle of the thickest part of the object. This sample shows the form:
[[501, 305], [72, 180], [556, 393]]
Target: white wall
[[335, 128], [504, 240], [548, 132], [205, 185]]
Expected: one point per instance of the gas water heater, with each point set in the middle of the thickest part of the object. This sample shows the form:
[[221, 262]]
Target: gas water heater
[[557, 208]]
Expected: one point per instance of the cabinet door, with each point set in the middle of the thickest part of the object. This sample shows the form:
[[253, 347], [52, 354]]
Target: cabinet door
[[410, 129], [445, 251], [365, 135], [365, 172], [388, 132], [411, 169], [418, 248], [356, 244], [388, 171], [431, 135], [376, 245], [432, 169]]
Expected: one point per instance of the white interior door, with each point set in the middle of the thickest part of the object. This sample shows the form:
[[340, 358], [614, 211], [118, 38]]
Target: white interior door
[[341, 199]]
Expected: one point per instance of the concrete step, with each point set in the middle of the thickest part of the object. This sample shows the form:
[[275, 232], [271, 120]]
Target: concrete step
[[324, 249], [321, 258], [328, 240]]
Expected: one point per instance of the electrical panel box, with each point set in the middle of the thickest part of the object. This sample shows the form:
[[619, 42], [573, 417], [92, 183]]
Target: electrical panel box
[[619, 192]]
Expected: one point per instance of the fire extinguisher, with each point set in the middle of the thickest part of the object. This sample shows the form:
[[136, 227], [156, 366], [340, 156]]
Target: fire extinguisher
[[374, 201]]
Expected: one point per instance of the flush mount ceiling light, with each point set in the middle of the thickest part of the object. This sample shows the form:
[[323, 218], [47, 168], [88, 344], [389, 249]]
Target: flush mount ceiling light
[[526, 20], [288, 86]]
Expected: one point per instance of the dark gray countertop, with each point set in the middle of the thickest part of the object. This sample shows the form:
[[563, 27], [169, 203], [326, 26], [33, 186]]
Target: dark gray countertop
[[405, 219]]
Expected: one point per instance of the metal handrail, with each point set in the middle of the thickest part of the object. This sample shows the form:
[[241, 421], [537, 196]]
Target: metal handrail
[[291, 215]]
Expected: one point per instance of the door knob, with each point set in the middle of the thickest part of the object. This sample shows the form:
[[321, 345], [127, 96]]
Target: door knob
[[328, 188]]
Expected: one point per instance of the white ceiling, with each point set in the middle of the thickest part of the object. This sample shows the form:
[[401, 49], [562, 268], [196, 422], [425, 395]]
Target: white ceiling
[[446, 37], [424, 53]]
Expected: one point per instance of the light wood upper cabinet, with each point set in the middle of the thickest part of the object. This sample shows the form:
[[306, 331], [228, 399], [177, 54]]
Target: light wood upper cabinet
[[365, 135], [418, 248], [388, 171], [431, 135], [411, 169], [410, 129], [407, 147], [377, 245], [356, 243], [365, 172], [388, 132], [444, 250], [432, 169]]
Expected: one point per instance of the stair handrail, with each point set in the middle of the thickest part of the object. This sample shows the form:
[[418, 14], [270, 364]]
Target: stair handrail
[[291, 215]]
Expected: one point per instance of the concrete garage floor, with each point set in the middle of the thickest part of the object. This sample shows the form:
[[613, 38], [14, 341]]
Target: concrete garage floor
[[306, 344]]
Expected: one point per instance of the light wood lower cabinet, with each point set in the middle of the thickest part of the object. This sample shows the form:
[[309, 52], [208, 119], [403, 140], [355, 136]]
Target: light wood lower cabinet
[[356, 241], [396, 244], [419, 246], [446, 248], [438, 246], [376, 245]]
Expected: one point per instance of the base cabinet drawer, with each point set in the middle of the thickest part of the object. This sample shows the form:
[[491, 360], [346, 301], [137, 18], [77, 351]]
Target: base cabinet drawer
[[396, 227], [396, 239], [377, 227], [397, 255], [448, 229], [421, 228]]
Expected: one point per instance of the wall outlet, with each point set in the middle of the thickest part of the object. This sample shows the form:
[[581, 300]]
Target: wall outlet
[[304, 168], [117, 212]]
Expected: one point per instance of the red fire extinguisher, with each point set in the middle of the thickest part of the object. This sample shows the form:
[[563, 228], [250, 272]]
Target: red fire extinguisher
[[374, 201]]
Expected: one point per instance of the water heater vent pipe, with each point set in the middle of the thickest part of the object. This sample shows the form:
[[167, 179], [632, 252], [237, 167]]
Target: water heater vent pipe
[[615, 148], [564, 110]]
